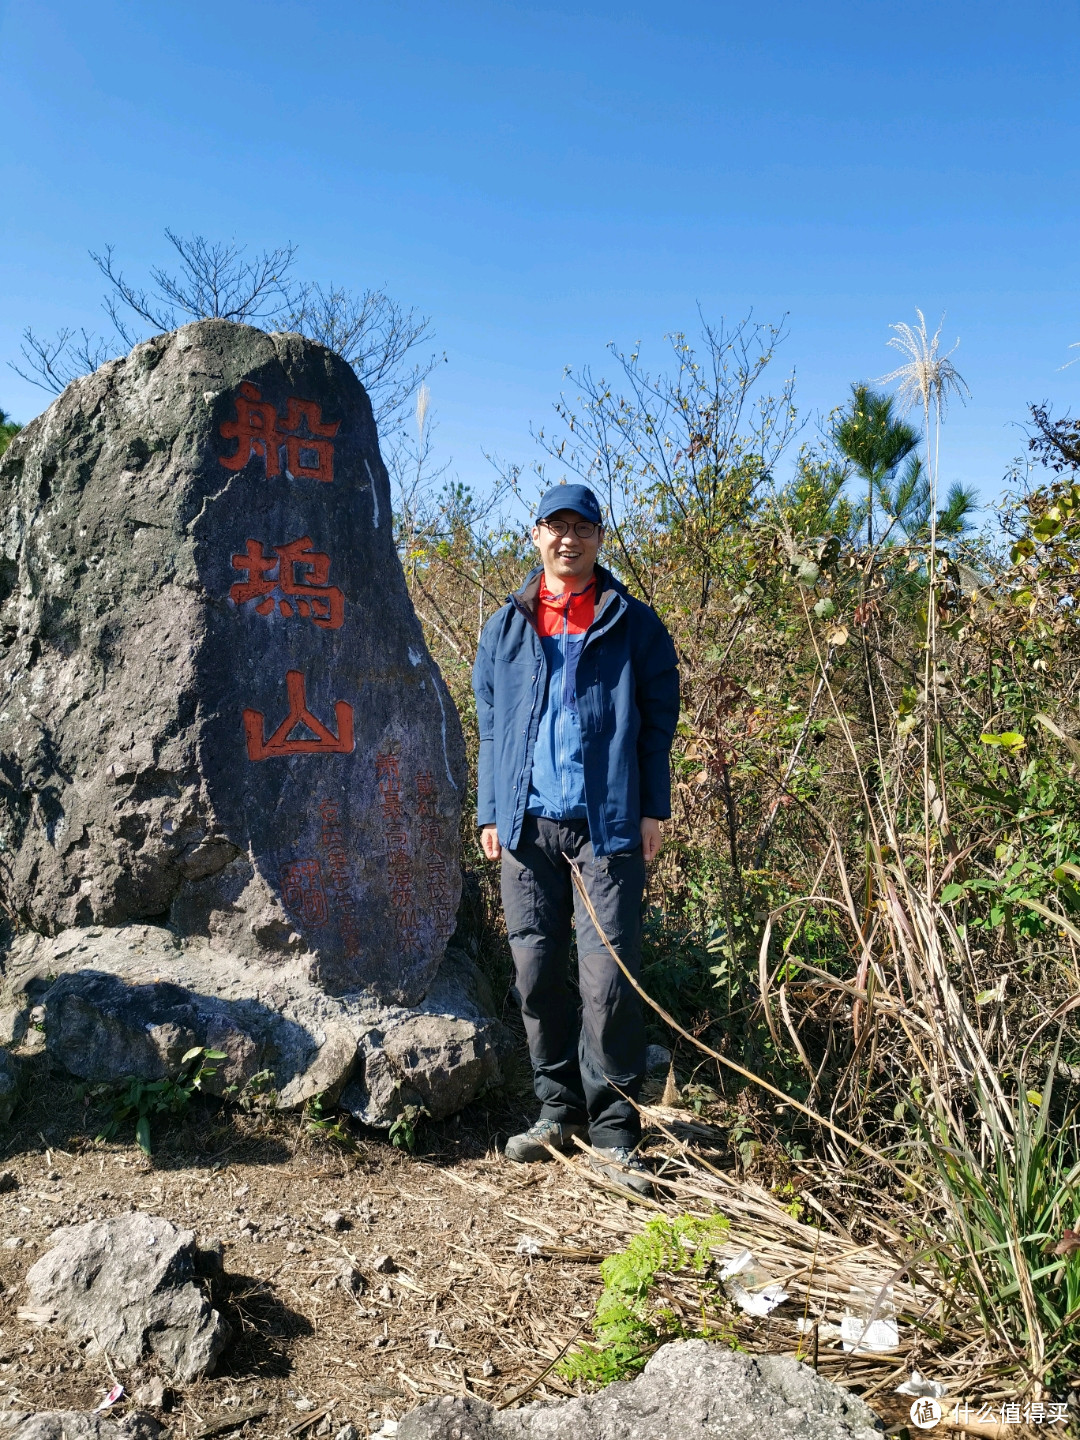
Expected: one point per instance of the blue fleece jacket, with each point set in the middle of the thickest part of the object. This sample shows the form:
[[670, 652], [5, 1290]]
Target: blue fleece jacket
[[627, 690]]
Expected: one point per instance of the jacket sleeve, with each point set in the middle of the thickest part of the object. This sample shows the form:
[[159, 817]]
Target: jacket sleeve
[[657, 680], [483, 678]]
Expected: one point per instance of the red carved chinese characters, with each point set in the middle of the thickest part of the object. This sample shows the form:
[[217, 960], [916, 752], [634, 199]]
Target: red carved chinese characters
[[255, 428], [337, 864], [302, 892], [311, 455], [399, 868], [325, 742], [434, 863], [306, 439], [296, 571]]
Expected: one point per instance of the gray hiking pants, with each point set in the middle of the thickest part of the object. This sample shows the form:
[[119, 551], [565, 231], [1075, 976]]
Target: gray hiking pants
[[586, 1043]]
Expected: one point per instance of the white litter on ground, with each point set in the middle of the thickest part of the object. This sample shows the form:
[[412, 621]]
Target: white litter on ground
[[919, 1386]]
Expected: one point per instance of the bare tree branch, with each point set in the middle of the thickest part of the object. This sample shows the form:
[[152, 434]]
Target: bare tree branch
[[219, 281], [53, 364], [214, 282], [374, 334]]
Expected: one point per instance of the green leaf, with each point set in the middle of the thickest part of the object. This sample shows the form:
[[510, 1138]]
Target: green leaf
[[1010, 739], [952, 892], [192, 1054], [999, 797], [142, 1134]]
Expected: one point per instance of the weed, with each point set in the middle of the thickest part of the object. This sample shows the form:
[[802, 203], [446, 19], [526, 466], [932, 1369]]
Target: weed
[[256, 1093], [324, 1122], [403, 1130], [631, 1319], [141, 1099], [1011, 1247]]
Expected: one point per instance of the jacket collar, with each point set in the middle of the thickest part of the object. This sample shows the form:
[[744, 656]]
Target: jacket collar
[[607, 589]]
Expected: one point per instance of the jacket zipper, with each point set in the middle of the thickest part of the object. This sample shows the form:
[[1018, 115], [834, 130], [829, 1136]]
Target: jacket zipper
[[521, 800], [618, 605]]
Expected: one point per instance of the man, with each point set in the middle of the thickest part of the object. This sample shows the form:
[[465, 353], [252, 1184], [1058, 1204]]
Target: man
[[577, 696]]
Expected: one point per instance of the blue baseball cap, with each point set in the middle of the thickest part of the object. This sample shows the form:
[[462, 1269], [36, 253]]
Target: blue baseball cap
[[578, 498]]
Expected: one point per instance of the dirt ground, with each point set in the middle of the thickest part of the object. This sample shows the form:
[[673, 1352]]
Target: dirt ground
[[476, 1274], [455, 1308]]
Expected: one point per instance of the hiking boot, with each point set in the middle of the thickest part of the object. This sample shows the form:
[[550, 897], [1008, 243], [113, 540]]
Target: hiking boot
[[532, 1144], [621, 1166]]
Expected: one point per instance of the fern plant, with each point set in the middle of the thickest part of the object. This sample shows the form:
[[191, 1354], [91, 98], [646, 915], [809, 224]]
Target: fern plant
[[629, 1323]]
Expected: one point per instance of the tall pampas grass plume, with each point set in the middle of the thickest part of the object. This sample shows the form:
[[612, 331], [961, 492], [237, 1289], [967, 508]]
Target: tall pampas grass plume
[[928, 377]]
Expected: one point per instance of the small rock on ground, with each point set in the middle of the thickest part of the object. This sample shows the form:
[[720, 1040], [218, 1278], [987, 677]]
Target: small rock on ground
[[689, 1391], [79, 1425], [126, 1286], [657, 1058]]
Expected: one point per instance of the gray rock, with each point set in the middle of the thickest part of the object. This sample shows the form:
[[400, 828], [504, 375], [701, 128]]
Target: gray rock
[[125, 1285], [10, 1085], [151, 1394], [80, 1425], [442, 1054], [657, 1058], [134, 999], [244, 732], [689, 1391]]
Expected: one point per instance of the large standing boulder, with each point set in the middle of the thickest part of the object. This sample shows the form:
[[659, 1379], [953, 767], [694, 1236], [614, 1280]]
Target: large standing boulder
[[217, 705], [126, 1286], [232, 775]]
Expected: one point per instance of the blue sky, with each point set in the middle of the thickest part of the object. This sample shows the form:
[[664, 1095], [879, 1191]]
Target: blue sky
[[543, 179]]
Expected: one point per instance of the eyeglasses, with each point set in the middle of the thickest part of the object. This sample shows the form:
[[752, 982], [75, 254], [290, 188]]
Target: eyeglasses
[[583, 529]]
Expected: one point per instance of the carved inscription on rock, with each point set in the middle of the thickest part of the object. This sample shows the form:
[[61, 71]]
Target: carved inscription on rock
[[293, 578], [334, 747], [302, 441]]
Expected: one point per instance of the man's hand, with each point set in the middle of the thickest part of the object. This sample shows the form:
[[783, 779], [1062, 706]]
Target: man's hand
[[650, 838], [489, 842]]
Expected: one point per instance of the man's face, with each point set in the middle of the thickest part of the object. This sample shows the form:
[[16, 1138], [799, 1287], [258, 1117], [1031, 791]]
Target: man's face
[[570, 557]]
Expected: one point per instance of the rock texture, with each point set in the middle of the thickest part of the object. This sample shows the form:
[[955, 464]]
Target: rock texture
[[217, 706], [690, 1391], [126, 1286], [133, 1000], [79, 1425], [9, 1085]]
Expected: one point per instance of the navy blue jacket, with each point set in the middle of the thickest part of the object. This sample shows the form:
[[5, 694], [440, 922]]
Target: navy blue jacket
[[628, 704]]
